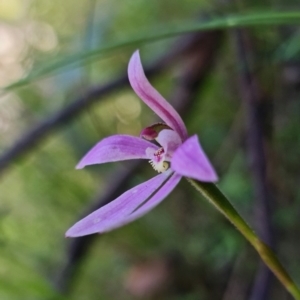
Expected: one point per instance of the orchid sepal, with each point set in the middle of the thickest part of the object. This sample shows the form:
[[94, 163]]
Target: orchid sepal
[[190, 160], [116, 148], [152, 97]]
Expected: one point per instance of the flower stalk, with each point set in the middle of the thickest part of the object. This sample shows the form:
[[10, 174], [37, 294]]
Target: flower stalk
[[211, 192]]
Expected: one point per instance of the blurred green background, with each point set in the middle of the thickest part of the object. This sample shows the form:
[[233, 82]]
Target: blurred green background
[[183, 249]]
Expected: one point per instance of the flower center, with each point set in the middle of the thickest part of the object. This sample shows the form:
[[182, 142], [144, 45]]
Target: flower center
[[160, 167], [167, 138], [158, 163]]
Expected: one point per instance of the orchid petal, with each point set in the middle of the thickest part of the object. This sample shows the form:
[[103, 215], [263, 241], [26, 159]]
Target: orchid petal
[[151, 155], [102, 219], [116, 148], [156, 199], [152, 98], [169, 140], [190, 160]]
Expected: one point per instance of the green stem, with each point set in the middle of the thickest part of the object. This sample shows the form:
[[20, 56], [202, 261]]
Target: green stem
[[215, 196]]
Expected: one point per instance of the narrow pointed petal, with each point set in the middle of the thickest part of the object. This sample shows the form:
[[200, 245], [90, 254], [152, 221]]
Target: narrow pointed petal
[[152, 97], [116, 148], [190, 160], [104, 218], [155, 200]]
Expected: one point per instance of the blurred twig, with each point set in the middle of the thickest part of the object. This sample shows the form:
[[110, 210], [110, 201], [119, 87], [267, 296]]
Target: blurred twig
[[255, 116], [230, 144], [198, 58], [236, 287]]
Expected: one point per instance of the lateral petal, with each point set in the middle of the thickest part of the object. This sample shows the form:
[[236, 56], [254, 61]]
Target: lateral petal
[[155, 200], [116, 148], [152, 97], [106, 217], [190, 160]]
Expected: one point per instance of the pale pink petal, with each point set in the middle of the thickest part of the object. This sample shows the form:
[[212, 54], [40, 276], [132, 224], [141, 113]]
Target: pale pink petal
[[156, 199], [152, 98], [150, 152], [116, 148], [169, 140], [190, 160], [116, 210]]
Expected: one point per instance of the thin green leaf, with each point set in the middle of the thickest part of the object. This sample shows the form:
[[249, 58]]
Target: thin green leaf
[[171, 30]]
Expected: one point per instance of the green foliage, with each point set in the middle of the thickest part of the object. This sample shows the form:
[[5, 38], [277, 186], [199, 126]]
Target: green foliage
[[167, 31]]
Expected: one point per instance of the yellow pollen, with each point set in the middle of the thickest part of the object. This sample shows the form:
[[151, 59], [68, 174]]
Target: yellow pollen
[[160, 166]]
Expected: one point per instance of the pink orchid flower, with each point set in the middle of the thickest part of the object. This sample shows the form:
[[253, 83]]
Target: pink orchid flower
[[177, 155]]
